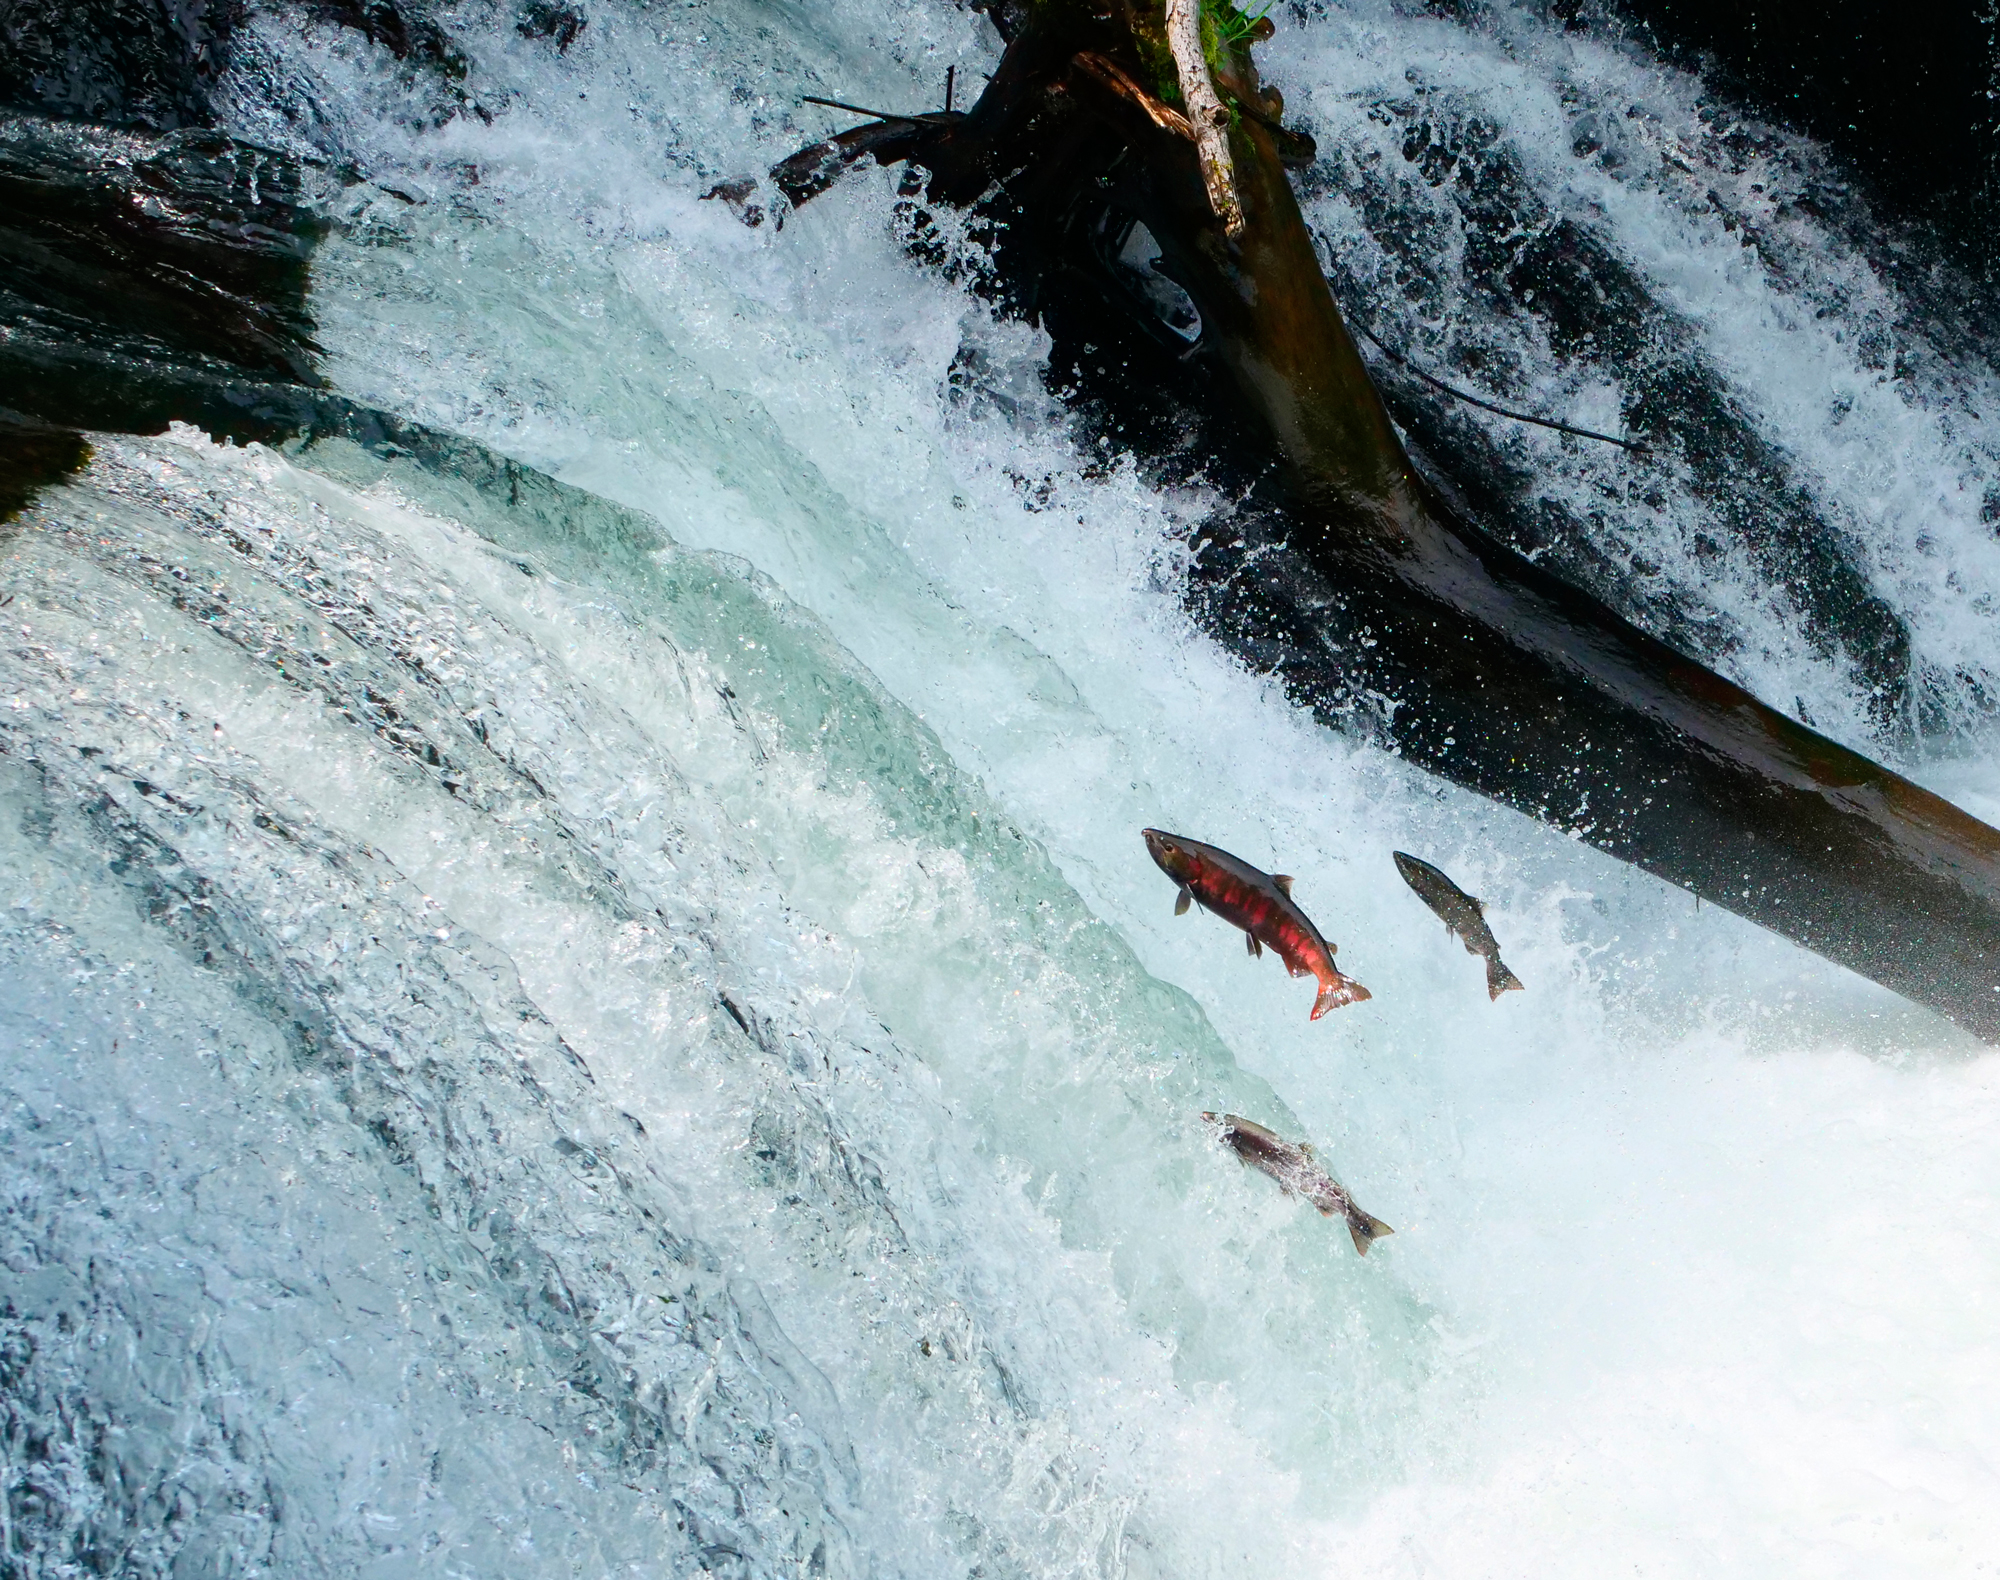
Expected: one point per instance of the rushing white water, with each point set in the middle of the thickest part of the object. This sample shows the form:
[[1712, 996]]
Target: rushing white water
[[627, 1028]]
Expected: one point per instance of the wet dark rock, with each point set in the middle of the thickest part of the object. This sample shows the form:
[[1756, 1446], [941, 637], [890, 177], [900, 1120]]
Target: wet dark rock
[[155, 65], [151, 64], [33, 455], [148, 279], [405, 31], [739, 195], [561, 25], [153, 270]]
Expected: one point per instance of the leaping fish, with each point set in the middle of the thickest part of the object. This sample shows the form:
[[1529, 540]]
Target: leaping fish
[[1261, 904], [1295, 1168], [1463, 915]]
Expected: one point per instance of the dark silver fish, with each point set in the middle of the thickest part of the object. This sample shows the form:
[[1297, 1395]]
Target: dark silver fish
[[1294, 1167], [1463, 915]]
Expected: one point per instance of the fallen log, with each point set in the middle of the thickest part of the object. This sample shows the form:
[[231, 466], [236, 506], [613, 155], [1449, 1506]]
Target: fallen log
[[1402, 615]]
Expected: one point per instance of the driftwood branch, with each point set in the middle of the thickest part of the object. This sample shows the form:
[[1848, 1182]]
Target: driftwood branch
[[1119, 82], [1206, 113]]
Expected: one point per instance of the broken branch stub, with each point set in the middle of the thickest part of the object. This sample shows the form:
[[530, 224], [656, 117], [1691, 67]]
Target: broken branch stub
[[1206, 113], [1119, 82]]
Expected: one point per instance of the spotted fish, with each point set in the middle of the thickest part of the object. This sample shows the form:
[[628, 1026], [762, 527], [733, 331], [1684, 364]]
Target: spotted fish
[[1465, 916]]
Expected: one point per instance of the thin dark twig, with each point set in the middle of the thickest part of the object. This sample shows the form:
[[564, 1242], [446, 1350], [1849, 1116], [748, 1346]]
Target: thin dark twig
[[950, 76], [1635, 446], [931, 118]]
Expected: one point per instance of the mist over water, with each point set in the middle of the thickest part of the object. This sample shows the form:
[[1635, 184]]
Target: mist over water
[[623, 1025]]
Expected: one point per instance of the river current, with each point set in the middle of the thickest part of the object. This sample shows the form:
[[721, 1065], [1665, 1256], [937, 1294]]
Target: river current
[[583, 996]]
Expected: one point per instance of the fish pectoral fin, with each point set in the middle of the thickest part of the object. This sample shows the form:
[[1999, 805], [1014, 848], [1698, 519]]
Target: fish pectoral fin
[[1284, 882], [1183, 900], [1250, 943]]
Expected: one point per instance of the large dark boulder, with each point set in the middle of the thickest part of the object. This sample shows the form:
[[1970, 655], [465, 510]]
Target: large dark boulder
[[151, 64], [153, 269], [146, 279]]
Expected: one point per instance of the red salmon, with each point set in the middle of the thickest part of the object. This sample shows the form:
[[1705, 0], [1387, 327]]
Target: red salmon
[[1258, 902]]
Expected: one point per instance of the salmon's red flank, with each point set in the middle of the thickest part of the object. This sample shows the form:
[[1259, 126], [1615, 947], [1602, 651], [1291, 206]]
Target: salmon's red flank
[[1261, 904]]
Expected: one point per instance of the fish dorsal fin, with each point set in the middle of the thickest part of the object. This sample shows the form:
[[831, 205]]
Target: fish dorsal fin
[[1284, 882]]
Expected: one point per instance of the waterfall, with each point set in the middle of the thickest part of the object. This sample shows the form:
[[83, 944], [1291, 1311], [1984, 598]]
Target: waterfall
[[580, 989]]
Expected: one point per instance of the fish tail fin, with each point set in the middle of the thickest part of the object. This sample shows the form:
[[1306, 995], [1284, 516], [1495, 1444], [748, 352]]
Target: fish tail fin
[[1337, 991], [1499, 979], [1365, 1229]]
